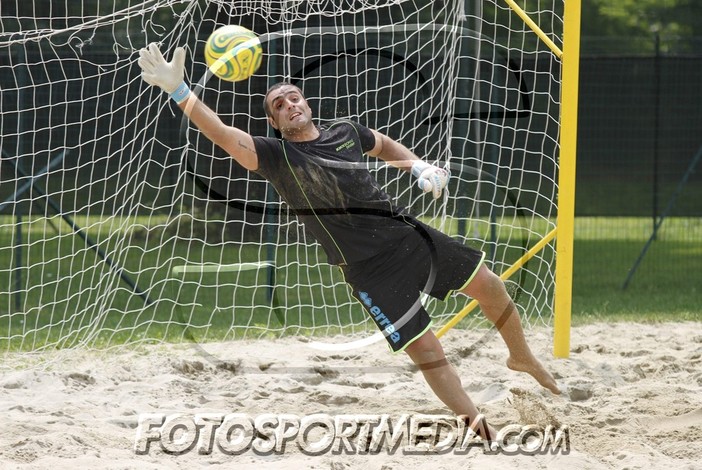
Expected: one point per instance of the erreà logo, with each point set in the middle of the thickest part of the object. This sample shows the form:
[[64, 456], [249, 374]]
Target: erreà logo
[[365, 299], [380, 319]]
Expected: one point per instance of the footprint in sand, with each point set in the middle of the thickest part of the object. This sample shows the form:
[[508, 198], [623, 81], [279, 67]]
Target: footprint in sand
[[323, 398], [78, 379], [675, 423]]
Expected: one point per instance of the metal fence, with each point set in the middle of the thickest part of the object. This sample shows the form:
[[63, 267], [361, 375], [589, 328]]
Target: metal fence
[[640, 131]]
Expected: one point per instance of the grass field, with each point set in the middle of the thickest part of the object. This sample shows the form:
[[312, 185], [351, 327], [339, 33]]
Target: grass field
[[70, 297], [667, 285]]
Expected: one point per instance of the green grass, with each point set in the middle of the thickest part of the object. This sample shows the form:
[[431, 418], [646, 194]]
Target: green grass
[[70, 297], [635, 196], [666, 286]]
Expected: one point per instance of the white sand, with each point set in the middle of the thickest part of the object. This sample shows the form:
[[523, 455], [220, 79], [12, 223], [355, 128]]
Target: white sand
[[633, 399]]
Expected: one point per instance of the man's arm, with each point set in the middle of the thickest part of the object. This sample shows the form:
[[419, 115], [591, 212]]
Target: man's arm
[[169, 76], [392, 152], [429, 177], [235, 142]]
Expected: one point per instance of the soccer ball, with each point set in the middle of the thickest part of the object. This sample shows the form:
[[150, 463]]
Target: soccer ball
[[233, 53]]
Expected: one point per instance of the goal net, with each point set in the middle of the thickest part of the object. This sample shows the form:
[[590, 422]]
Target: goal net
[[121, 223]]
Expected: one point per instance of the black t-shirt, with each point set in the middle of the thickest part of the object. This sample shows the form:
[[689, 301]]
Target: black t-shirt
[[327, 184]]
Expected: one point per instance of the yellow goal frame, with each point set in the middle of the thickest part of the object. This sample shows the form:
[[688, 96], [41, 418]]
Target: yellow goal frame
[[565, 223]]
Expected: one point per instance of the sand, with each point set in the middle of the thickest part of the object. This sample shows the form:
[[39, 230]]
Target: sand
[[632, 399]]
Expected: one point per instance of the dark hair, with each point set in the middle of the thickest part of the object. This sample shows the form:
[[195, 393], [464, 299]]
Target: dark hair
[[272, 88]]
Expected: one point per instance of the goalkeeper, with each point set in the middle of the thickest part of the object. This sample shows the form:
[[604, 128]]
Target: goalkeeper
[[387, 256]]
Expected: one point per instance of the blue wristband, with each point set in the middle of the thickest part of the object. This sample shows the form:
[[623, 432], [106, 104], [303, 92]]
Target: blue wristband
[[181, 93]]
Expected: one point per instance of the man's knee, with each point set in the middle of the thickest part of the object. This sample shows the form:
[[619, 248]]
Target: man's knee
[[486, 285], [426, 350]]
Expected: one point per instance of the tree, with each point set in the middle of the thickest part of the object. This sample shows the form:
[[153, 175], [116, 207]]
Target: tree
[[671, 19]]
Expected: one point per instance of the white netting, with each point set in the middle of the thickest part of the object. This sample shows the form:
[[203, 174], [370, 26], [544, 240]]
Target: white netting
[[105, 191]]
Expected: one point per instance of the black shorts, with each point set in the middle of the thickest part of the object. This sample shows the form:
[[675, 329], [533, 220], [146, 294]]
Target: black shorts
[[389, 285]]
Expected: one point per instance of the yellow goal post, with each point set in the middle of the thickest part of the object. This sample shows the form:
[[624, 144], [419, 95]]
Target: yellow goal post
[[565, 223]]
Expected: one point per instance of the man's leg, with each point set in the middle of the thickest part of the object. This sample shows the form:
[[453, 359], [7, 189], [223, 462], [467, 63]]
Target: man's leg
[[490, 292], [428, 354]]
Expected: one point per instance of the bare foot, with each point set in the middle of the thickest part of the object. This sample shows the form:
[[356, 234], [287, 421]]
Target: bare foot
[[534, 368], [482, 429], [492, 434]]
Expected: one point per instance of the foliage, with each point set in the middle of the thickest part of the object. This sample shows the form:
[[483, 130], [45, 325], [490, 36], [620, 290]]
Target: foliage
[[681, 19]]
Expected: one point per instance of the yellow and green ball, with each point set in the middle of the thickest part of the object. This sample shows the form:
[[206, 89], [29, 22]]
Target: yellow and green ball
[[233, 53]]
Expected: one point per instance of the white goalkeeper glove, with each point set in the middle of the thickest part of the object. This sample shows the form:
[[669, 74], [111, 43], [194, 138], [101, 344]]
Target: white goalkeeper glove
[[169, 76], [430, 178]]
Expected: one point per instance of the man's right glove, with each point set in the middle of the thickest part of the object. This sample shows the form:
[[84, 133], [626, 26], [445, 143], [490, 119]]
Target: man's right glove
[[169, 76], [430, 178]]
